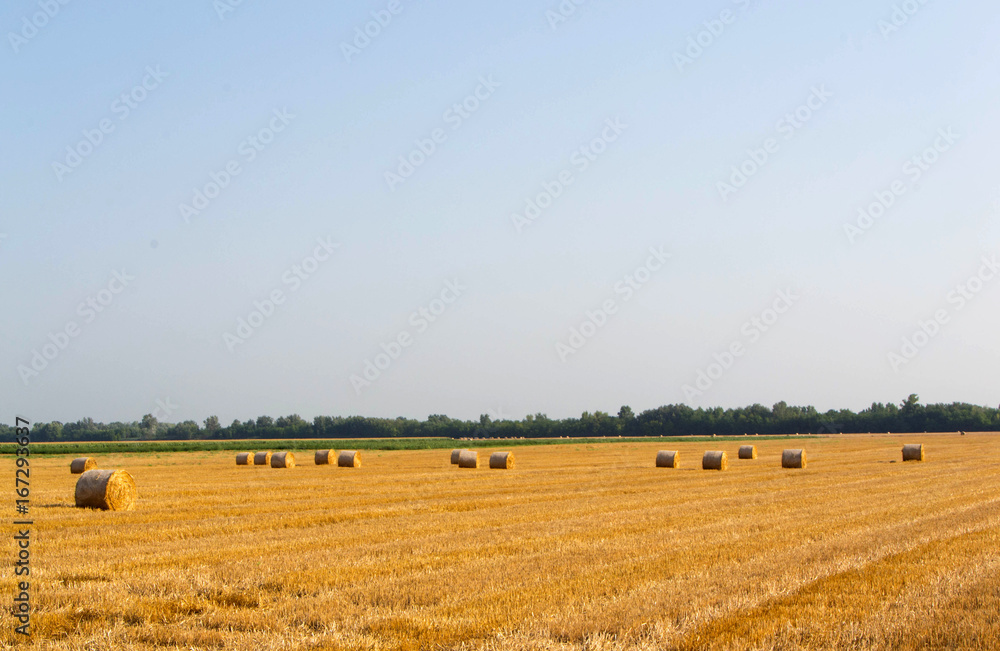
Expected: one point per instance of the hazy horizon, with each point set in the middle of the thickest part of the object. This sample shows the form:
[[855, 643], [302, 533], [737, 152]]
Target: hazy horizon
[[243, 209]]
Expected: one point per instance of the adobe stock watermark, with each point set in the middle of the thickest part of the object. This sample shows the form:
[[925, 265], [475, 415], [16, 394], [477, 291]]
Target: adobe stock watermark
[[365, 34], [224, 7], [901, 14], [31, 25], [248, 150], [751, 332], [580, 160], [420, 320], [88, 309], [913, 170], [164, 408], [454, 116], [786, 127], [562, 12], [957, 300], [712, 30], [625, 288], [292, 278], [122, 108]]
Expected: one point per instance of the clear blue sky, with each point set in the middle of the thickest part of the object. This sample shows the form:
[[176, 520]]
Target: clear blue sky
[[217, 82]]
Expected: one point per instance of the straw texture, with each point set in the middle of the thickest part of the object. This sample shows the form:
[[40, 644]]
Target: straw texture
[[349, 459], [82, 465], [668, 459], [793, 459], [109, 490], [502, 460], [715, 460]]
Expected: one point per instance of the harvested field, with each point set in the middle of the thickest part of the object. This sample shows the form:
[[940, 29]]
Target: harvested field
[[583, 547]]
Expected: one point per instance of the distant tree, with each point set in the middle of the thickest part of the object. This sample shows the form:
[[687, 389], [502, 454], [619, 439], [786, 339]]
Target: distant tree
[[184, 431], [212, 426], [148, 425]]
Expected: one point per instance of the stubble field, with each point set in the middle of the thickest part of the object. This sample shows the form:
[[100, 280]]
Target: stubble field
[[580, 547]]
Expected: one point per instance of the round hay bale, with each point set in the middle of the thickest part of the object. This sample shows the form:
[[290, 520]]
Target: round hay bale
[[913, 452], [668, 459], [715, 460], [793, 459], [502, 460], [244, 459], [454, 456], [748, 452], [324, 457], [262, 459], [109, 490], [82, 464], [283, 460], [349, 459], [468, 459]]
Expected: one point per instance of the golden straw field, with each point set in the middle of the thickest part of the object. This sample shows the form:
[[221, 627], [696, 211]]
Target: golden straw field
[[581, 546]]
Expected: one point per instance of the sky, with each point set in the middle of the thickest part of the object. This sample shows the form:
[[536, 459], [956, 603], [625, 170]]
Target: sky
[[399, 208]]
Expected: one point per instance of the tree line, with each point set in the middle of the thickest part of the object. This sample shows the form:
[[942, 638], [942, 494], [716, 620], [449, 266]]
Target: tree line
[[669, 420]]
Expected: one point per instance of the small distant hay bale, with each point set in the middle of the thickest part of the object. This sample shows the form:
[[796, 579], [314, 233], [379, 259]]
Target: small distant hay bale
[[324, 457], [262, 458], [108, 490], [454, 456], [748, 452], [715, 460], [244, 459], [962, 433], [283, 460], [668, 459], [468, 459], [793, 459], [82, 464], [349, 459], [913, 452], [502, 461]]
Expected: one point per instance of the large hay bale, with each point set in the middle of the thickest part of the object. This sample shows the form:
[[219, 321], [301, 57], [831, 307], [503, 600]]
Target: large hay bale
[[454, 456], [283, 460], [502, 460], [468, 459], [110, 490], [668, 459], [349, 459], [262, 459], [244, 459], [913, 452], [324, 457], [748, 452], [82, 465], [715, 460], [793, 459]]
